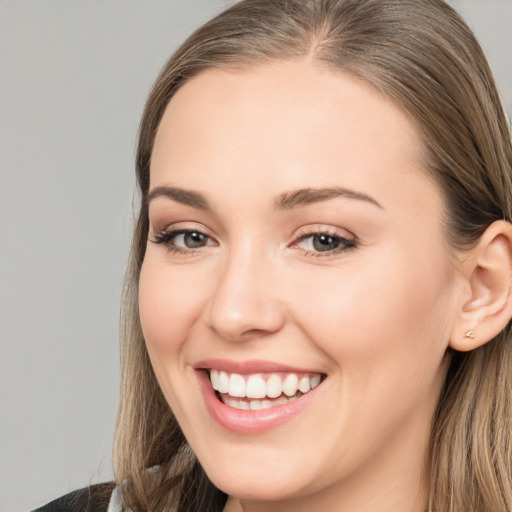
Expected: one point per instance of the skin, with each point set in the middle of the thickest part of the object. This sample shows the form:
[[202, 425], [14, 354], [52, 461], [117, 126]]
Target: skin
[[376, 318]]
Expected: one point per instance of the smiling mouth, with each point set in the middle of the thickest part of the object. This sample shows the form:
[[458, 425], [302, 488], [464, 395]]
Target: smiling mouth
[[261, 390]]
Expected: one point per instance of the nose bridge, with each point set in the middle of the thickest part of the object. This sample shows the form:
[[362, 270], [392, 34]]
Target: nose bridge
[[245, 301]]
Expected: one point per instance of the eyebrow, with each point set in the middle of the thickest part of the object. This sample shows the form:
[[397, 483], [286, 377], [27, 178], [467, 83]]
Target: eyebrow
[[285, 201], [305, 196], [187, 197]]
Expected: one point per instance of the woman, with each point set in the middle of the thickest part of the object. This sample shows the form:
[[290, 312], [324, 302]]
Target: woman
[[317, 308]]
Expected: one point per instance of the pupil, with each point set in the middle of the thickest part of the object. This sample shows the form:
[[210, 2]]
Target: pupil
[[194, 239], [325, 243]]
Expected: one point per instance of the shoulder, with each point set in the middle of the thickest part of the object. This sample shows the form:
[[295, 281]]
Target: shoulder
[[94, 498]]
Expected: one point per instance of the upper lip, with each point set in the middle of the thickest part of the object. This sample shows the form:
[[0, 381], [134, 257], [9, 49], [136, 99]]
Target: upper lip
[[250, 366]]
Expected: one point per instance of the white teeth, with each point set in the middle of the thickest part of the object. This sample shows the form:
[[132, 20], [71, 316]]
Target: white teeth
[[304, 384], [255, 405], [266, 404], [223, 382], [214, 379], [220, 381], [236, 385], [274, 386], [256, 387], [281, 400], [315, 380], [290, 384]]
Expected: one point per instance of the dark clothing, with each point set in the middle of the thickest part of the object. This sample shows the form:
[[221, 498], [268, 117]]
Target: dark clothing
[[94, 498]]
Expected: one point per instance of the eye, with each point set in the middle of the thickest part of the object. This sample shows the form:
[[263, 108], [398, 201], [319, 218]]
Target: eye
[[190, 239], [182, 240], [324, 243]]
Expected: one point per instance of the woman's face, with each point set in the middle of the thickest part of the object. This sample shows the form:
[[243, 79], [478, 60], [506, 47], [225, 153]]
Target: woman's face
[[296, 241]]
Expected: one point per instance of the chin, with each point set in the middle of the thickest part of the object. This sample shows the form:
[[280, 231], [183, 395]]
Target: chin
[[256, 486], [268, 480]]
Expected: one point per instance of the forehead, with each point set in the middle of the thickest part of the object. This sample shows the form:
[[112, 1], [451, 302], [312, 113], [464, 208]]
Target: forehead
[[289, 124]]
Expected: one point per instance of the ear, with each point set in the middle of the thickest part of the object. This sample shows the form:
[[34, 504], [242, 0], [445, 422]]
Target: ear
[[488, 274]]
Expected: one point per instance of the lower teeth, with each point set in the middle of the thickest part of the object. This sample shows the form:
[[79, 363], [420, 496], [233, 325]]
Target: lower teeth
[[254, 404]]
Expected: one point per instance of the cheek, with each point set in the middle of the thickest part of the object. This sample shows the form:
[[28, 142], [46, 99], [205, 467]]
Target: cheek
[[384, 330], [169, 303], [385, 315]]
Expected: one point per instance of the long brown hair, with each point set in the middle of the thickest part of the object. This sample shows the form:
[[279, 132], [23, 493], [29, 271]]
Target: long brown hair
[[421, 55]]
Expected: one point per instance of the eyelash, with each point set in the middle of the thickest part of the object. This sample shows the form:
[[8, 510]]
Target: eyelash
[[345, 244], [166, 238]]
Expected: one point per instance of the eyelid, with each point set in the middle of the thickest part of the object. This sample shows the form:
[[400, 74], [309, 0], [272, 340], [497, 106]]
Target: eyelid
[[161, 227], [328, 229]]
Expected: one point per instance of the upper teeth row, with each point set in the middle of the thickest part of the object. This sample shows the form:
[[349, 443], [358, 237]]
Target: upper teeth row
[[261, 386]]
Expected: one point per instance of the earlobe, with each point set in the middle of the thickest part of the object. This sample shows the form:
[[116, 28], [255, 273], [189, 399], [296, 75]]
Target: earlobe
[[488, 268]]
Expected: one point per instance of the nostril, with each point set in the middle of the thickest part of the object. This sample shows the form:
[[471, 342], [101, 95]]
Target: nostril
[[245, 323], [244, 305]]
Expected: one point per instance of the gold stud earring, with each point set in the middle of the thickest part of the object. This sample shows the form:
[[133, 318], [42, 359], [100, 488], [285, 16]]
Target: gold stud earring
[[469, 334]]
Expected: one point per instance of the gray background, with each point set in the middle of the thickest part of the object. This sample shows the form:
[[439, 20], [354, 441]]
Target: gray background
[[73, 78]]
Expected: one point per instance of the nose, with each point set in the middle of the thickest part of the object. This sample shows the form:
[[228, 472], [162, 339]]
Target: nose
[[245, 303]]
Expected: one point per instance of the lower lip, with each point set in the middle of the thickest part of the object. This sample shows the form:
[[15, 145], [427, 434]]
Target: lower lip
[[251, 422]]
